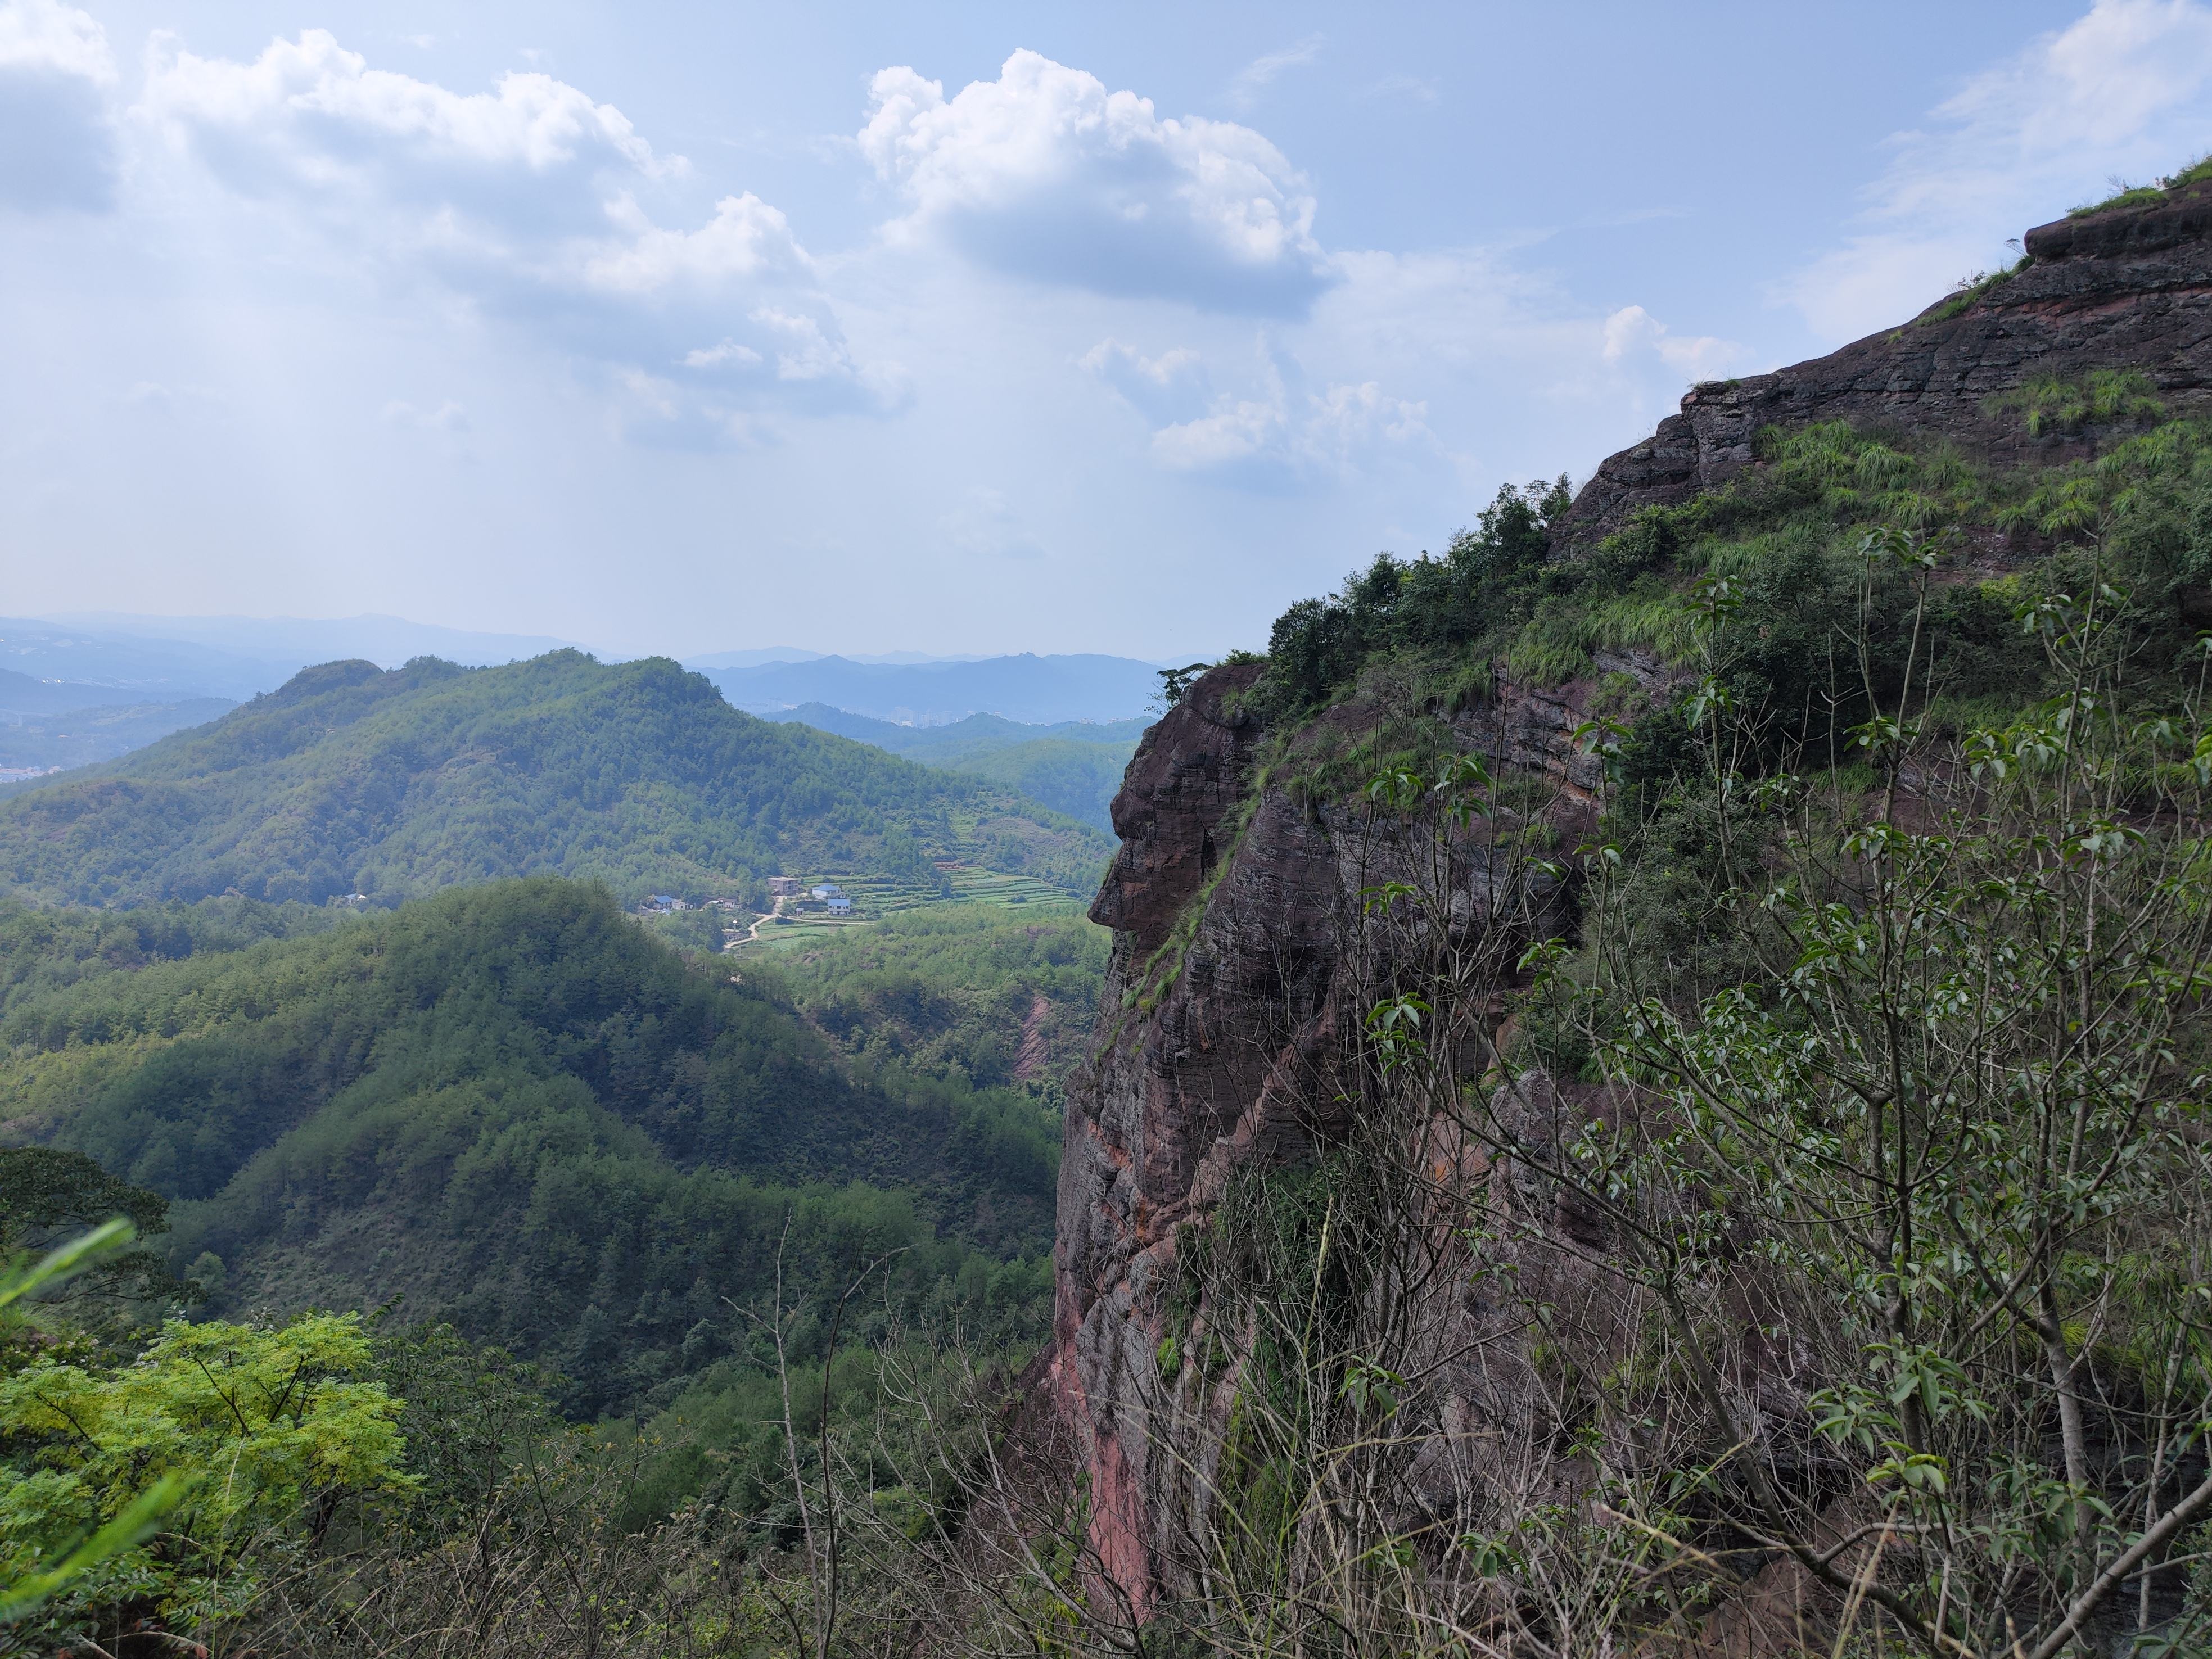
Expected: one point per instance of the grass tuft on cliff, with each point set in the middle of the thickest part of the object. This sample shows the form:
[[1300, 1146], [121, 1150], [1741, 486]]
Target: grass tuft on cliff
[[1779, 541]]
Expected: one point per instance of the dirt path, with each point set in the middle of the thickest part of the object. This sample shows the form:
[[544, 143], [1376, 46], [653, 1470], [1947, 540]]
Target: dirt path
[[752, 933]]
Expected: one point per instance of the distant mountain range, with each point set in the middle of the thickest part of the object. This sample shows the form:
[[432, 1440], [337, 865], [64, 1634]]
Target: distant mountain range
[[1032, 689], [756, 656], [89, 687]]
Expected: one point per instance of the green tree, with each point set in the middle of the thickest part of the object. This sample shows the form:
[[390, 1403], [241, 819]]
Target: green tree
[[265, 1431]]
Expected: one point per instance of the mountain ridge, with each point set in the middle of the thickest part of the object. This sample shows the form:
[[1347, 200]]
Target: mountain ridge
[[392, 783]]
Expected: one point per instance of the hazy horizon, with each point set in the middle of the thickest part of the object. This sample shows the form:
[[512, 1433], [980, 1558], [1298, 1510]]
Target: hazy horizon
[[210, 628]]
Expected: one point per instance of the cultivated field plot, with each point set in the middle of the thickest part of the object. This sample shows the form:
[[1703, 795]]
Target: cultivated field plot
[[874, 898]]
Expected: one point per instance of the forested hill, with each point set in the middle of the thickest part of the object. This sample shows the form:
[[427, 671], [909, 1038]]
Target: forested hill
[[351, 779], [513, 1108]]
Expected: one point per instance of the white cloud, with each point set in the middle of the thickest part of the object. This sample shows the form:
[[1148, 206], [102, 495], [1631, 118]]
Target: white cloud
[[528, 201], [1700, 357], [46, 36], [2126, 90], [1282, 435], [1170, 387], [1272, 430], [312, 113], [714, 356], [746, 239], [1258, 75], [57, 139], [808, 353], [1045, 174]]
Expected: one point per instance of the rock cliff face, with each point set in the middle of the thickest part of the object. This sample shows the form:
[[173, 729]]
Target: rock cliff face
[[2130, 288], [1232, 907], [1180, 1092], [1230, 902]]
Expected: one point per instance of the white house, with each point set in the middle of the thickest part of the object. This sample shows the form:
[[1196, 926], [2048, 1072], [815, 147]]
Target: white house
[[840, 905], [827, 890]]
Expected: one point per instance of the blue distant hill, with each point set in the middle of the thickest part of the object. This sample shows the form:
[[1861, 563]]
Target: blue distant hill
[[1031, 689]]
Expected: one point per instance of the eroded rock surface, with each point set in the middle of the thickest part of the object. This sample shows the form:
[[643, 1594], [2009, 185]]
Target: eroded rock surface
[[1232, 905], [2128, 289]]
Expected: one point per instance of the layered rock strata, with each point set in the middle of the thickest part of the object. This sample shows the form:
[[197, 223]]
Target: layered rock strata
[[2127, 288]]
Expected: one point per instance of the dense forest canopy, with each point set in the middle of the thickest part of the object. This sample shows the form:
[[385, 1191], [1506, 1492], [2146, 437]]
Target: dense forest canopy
[[354, 780], [514, 1107], [976, 992]]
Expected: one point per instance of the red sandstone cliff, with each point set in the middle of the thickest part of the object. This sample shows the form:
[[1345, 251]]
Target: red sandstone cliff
[[1228, 985]]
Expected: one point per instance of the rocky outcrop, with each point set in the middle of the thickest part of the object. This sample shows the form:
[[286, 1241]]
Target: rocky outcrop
[[1188, 1078], [1233, 900], [1232, 904], [2127, 288]]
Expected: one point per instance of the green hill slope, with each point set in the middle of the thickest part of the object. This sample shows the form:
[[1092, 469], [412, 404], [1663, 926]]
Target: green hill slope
[[350, 779], [1074, 767], [1078, 778], [513, 1108]]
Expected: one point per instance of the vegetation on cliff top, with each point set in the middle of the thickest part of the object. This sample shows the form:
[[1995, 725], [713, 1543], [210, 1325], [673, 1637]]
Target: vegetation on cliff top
[[1780, 541]]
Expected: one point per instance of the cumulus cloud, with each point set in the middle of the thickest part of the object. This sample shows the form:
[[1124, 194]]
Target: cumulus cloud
[[1045, 174], [58, 134], [2126, 89], [1631, 329], [1281, 435], [1165, 389], [1275, 428], [529, 200]]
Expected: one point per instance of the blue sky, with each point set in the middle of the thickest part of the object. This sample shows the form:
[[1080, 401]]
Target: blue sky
[[988, 328]]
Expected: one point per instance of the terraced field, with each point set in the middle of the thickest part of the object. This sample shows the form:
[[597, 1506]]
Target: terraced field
[[873, 899]]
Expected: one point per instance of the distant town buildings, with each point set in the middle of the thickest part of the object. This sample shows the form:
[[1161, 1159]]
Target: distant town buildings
[[826, 890], [839, 905]]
